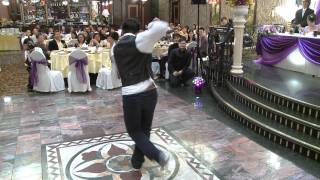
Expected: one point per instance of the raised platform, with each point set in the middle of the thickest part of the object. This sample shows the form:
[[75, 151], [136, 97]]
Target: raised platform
[[280, 105], [297, 85]]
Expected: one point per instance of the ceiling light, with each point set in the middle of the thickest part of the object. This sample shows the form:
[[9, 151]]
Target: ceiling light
[[5, 3], [65, 3], [75, 1]]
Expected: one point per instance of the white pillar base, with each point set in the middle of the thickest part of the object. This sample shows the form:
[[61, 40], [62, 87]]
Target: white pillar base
[[236, 70]]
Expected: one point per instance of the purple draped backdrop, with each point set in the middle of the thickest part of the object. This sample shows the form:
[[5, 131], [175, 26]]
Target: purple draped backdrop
[[276, 48], [317, 11], [80, 68]]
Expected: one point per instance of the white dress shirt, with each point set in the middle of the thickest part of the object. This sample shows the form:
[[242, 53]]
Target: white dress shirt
[[145, 42]]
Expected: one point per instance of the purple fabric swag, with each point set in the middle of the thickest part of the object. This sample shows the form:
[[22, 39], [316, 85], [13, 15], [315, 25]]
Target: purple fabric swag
[[275, 48], [34, 70]]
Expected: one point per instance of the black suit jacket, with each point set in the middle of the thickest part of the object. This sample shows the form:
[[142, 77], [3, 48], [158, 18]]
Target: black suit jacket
[[178, 60], [302, 20], [53, 45]]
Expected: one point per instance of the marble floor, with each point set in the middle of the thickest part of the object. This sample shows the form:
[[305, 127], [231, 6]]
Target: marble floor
[[31, 121]]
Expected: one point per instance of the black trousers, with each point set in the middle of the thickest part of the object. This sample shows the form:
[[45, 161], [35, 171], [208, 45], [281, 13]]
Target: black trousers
[[138, 115], [176, 81]]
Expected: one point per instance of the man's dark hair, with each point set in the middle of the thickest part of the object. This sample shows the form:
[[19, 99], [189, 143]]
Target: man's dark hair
[[176, 35], [182, 39], [30, 44], [201, 28], [114, 35], [312, 18], [95, 34], [130, 26], [38, 35]]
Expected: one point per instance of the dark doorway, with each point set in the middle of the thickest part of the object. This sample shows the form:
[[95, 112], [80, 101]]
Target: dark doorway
[[175, 11]]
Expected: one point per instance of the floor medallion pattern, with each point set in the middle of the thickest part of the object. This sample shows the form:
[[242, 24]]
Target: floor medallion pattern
[[108, 157]]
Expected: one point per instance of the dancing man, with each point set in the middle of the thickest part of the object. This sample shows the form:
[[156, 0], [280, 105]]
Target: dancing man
[[133, 56]]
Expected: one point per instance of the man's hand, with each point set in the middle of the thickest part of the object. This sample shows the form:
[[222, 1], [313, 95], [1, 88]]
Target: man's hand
[[180, 72], [176, 73]]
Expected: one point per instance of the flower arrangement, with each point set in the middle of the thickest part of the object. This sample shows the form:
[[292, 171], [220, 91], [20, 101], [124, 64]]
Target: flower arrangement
[[198, 83], [239, 2], [267, 30]]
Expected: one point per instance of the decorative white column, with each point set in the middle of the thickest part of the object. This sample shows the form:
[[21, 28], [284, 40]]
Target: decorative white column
[[239, 20]]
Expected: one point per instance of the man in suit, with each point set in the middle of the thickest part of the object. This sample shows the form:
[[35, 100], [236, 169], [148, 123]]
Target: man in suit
[[56, 43], [302, 14], [178, 65]]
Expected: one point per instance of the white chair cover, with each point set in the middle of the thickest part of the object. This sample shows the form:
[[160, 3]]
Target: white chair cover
[[48, 81], [74, 85], [109, 79]]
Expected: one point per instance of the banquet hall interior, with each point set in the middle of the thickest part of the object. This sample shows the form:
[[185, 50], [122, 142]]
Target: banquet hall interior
[[237, 82]]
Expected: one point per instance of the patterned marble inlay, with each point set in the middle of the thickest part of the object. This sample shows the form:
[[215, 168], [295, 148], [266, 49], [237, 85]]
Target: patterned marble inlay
[[108, 157]]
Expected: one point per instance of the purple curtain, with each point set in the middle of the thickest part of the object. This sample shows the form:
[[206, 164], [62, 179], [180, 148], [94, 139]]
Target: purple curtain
[[317, 11], [80, 68], [275, 48], [34, 70]]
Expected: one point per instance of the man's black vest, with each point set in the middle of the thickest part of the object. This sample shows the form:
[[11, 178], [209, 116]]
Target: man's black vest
[[133, 65]]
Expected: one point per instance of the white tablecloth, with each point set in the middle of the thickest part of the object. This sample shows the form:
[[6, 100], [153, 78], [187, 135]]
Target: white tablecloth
[[297, 62], [60, 61]]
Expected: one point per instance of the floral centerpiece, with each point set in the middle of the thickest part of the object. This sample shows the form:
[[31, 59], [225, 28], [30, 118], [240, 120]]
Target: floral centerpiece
[[267, 30], [239, 2]]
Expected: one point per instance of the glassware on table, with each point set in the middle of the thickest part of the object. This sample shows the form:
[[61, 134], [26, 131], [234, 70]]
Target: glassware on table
[[315, 33]]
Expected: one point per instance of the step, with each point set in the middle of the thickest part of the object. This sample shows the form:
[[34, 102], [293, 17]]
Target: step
[[276, 132], [301, 107], [283, 115]]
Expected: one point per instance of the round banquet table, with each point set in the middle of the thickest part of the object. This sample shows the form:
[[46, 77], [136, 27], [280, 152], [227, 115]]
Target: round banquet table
[[60, 61], [159, 50], [9, 43]]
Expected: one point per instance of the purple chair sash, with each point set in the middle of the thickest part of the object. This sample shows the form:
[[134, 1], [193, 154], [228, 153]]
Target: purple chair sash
[[34, 70], [275, 48], [80, 68]]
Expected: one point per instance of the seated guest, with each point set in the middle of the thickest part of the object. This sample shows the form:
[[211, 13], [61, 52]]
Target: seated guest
[[28, 47], [178, 64], [95, 41], [113, 38], [302, 14], [116, 81], [35, 32], [73, 39], [184, 33], [87, 37], [82, 41], [63, 31], [224, 22], [311, 25], [56, 43], [73, 35], [191, 37], [50, 33], [25, 35], [41, 44]]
